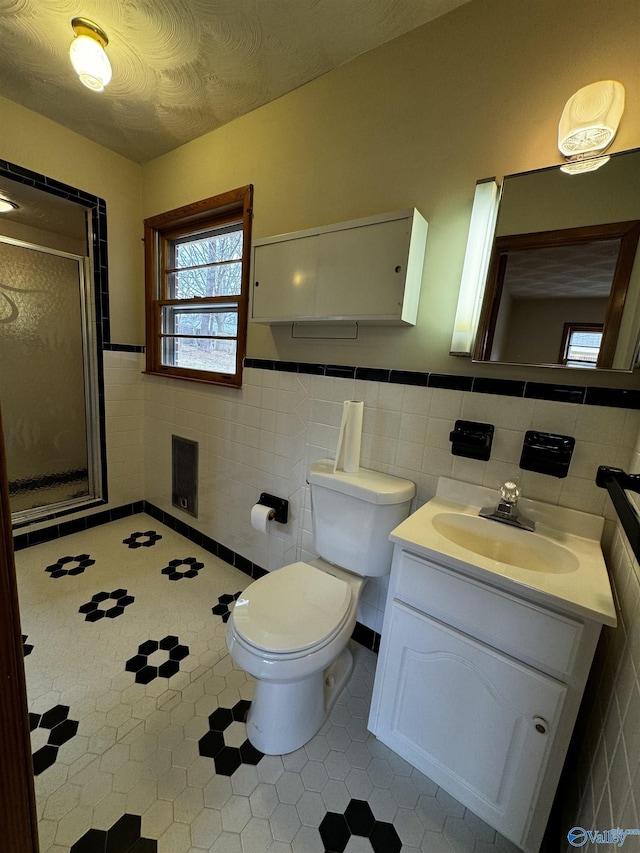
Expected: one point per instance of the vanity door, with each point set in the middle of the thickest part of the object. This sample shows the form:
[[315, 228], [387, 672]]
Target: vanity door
[[476, 721]]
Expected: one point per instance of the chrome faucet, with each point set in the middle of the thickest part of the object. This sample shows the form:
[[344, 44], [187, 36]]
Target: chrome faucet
[[507, 510]]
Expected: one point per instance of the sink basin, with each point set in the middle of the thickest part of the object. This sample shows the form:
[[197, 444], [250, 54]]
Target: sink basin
[[505, 544]]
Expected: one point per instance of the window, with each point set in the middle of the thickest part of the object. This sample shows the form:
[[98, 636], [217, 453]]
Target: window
[[581, 344], [197, 285]]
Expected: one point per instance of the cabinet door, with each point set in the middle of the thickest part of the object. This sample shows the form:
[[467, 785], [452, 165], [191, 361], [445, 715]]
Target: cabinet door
[[467, 716], [284, 279], [362, 271]]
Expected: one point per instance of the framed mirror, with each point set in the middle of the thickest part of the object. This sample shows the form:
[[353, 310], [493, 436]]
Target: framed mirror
[[563, 281]]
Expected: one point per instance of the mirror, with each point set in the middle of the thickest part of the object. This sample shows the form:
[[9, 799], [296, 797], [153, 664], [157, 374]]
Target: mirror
[[563, 282]]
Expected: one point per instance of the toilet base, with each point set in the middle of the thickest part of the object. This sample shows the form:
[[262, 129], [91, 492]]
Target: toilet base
[[285, 715]]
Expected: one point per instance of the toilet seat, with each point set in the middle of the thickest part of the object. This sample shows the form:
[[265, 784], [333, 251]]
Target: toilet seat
[[294, 609]]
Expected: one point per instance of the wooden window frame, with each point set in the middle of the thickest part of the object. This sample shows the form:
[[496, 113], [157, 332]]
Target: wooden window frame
[[210, 213], [567, 331]]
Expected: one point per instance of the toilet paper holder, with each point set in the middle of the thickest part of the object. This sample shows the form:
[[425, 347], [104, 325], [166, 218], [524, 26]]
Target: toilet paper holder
[[280, 506]]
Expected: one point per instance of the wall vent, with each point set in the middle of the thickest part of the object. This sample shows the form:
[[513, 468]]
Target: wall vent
[[184, 474]]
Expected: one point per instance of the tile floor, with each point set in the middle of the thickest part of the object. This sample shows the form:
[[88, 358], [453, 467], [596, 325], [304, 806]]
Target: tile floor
[[137, 715]]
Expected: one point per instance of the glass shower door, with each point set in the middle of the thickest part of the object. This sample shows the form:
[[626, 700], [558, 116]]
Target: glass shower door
[[44, 381]]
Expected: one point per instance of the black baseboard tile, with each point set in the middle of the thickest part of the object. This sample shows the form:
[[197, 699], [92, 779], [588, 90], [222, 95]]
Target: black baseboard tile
[[366, 637]]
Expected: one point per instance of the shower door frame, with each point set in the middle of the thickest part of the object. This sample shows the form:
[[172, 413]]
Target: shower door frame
[[90, 380], [97, 275]]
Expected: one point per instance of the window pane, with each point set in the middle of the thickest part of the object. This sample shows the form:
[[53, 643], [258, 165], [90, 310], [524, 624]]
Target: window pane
[[199, 354], [225, 280], [213, 247], [583, 349], [198, 321]]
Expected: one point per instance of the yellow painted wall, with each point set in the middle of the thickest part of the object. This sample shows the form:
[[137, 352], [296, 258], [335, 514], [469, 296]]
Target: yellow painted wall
[[36, 143], [414, 123]]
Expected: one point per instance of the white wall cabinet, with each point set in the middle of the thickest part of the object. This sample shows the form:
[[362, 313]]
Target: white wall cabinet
[[367, 271], [479, 689]]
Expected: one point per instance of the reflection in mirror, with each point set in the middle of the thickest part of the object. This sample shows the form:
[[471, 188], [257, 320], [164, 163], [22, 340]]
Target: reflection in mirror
[[556, 297], [564, 265], [50, 311]]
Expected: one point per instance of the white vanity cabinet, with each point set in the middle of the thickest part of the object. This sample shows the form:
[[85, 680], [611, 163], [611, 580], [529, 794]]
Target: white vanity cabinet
[[366, 270], [479, 688]]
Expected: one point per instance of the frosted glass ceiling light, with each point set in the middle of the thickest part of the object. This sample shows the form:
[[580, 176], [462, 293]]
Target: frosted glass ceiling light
[[7, 206], [87, 54], [589, 123]]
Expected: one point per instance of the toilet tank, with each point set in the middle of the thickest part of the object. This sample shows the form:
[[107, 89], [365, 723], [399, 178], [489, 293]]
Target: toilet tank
[[353, 515]]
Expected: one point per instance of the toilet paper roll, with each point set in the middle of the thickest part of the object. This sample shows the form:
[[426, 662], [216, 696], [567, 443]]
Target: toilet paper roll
[[350, 438], [260, 517]]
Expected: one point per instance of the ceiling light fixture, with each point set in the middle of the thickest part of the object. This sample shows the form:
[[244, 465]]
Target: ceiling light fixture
[[588, 125], [7, 206], [87, 54]]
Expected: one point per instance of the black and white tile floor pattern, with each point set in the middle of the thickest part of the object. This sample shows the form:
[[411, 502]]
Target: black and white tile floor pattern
[[161, 763]]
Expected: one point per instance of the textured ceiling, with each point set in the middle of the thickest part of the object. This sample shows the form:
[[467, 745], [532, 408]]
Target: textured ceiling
[[563, 272], [184, 67]]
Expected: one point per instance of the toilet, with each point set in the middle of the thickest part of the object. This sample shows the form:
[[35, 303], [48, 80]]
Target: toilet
[[290, 628]]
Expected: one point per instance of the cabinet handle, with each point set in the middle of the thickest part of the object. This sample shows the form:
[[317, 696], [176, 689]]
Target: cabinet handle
[[257, 284], [541, 725]]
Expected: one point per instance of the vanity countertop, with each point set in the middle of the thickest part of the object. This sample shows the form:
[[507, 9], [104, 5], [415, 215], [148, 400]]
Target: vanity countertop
[[580, 586]]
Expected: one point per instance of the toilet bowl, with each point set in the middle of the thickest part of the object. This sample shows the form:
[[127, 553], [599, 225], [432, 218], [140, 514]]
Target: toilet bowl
[[290, 628]]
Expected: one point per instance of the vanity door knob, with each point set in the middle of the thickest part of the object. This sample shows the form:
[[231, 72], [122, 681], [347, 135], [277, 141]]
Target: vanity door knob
[[541, 725]]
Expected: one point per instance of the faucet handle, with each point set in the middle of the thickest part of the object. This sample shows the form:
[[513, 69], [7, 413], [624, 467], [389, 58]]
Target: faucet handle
[[509, 493]]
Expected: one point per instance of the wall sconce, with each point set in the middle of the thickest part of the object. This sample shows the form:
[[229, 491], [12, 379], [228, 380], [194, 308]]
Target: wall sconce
[[588, 125], [476, 265], [87, 54]]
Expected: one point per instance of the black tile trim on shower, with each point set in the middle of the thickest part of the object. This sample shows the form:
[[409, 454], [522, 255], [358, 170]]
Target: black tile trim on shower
[[361, 634], [620, 398]]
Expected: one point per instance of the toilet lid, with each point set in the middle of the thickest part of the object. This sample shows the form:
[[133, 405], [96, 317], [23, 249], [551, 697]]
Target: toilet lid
[[292, 608]]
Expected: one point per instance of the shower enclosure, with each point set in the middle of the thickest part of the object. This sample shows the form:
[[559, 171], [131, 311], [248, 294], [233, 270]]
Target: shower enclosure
[[49, 352]]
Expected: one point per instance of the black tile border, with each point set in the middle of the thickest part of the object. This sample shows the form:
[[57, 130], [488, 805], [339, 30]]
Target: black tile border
[[361, 634], [109, 347], [621, 398], [75, 525]]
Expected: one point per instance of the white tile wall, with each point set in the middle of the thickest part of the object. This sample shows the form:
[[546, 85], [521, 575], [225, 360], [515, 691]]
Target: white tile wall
[[607, 776], [264, 436], [124, 409]]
